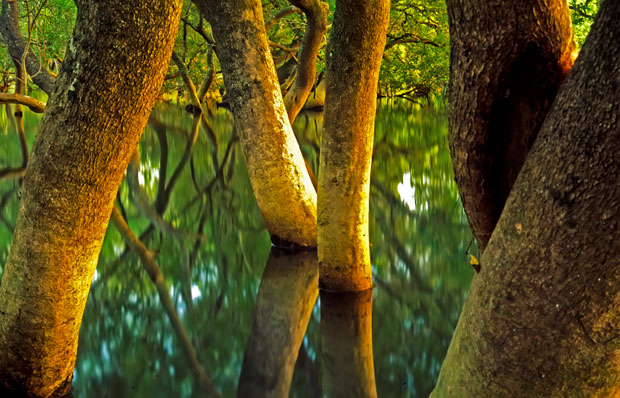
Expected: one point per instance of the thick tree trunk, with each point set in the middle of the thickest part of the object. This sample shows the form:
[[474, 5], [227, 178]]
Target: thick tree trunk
[[354, 55], [16, 44], [286, 297], [542, 318], [282, 186], [91, 126], [346, 342], [506, 64]]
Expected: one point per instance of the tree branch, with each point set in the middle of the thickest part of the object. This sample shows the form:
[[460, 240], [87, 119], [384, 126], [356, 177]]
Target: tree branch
[[34, 104], [9, 29]]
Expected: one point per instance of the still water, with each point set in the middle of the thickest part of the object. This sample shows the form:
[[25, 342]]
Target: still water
[[247, 307]]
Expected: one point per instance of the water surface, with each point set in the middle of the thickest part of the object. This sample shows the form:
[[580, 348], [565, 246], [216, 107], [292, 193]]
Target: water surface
[[418, 234]]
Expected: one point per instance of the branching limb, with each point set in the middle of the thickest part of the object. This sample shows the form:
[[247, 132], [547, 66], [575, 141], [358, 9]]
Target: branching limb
[[16, 44], [283, 13]]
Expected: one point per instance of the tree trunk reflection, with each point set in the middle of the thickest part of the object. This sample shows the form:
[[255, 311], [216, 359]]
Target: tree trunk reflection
[[346, 340], [286, 297]]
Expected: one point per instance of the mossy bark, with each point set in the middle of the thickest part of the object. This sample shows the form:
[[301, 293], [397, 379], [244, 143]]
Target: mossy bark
[[542, 318], [281, 184], [354, 56], [506, 64], [113, 70]]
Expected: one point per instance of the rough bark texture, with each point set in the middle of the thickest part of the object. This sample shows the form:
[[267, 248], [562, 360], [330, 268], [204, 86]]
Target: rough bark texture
[[543, 315], [354, 56], [286, 297], [316, 26], [114, 68], [507, 61], [16, 44], [283, 189], [346, 342]]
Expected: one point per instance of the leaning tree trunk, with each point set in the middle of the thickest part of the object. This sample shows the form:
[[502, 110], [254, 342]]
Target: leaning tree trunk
[[506, 64], [354, 56], [282, 186], [543, 317], [91, 126], [316, 27]]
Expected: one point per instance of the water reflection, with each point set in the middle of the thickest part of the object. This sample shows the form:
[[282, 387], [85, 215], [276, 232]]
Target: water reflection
[[286, 297], [128, 347], [346, 340]]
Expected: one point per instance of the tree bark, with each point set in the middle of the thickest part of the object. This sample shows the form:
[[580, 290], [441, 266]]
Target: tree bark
[[9, 28], [316, 26], [354, 56], [286, 297], [279, 178], [90, 128], [346, 342], [506, 64], [542, 318]]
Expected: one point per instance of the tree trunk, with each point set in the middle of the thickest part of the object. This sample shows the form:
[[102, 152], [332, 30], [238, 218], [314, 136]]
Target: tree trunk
[[91, 126], [354, 55], [286, 297], [542, 318], [9, 28], [282, 186], [346, 342], [506, 64]]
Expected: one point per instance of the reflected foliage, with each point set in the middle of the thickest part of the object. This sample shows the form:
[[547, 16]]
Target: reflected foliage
[[418, 234]]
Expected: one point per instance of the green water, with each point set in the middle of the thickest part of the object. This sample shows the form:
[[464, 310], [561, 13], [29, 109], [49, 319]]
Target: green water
[[418, 233]]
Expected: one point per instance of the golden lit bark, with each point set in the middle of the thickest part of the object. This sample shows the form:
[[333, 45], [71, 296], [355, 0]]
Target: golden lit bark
[[281, 184], [542, 317], [90, 128], [346, 342], [354, 55], [286, 297]]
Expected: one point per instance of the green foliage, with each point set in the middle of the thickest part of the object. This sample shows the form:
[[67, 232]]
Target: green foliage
[[416, 59], [52, 28], [582, 14], [415, 63]]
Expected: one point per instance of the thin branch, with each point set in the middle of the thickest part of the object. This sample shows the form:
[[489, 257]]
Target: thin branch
[[13, 98], [283, 13]]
